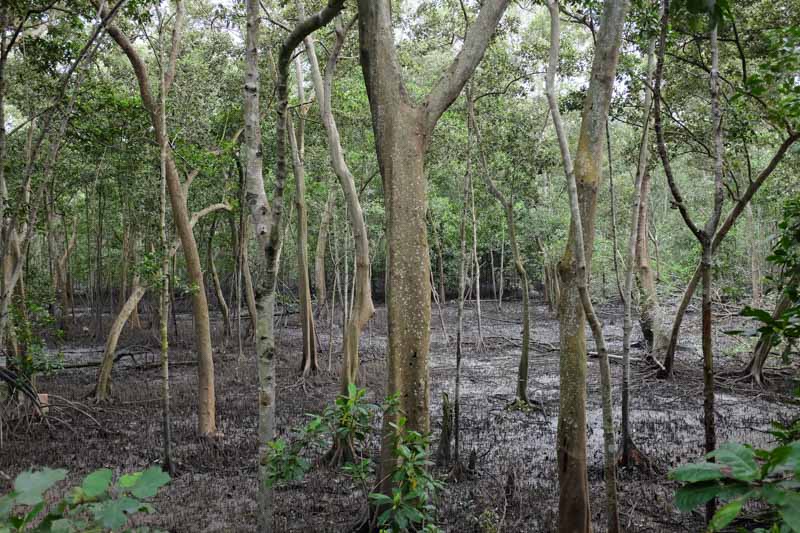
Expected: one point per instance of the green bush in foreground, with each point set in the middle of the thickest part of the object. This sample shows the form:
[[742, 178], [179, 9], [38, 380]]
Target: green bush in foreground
[[96, 505]]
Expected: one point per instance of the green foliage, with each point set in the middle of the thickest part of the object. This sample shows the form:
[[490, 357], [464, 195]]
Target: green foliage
[[786, 257], [95, 505], [410, 507], [741, 474], [34, 358]]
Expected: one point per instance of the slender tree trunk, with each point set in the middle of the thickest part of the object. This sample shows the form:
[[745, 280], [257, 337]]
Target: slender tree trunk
[[628, 446], [476, 264], [223, 305], [163, 295], [462, 275], [575, 305], [309, 363], [268, 218], [361, 301], [519, 266], [754, 240], [102, 391], [320, 280], [205, 369], [755, 367], [502, 269]]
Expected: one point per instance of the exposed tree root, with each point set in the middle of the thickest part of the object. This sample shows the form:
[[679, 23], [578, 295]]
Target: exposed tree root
[[630, 456]]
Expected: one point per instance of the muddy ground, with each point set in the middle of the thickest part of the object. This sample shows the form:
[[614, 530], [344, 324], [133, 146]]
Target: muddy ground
[[215, 485]]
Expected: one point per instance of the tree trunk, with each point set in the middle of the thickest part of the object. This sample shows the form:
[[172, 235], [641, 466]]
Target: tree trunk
[[268, 219], [754, 241], [206, 412], [575, 305], [320, 279], [755, 368], [651, 318], [103, 389], [519, 266], [362, 305], [309, 363], [223, 305], [628, 446], [402, 131]]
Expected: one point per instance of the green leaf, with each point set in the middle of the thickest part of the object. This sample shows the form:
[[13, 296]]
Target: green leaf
[[62, 525], [112, 514], [33, 513], [696, 472], [6, 503], [31, 485], [149, 482], [726, 514], [97, 483], [739, 458], [129, 480], [791, 516], [691, 496]]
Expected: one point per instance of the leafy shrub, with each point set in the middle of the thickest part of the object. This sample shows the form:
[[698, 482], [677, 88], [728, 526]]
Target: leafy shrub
[[95, 505], [740, 474], [410, 507], [411, 504]]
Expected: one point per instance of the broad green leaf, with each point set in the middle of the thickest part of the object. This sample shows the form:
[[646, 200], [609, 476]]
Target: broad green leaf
[[726, 514], [31, 485], [739, 458], [690, 496], [149, 482], [97, 483], [791, 516], [696, 472], [62, 525], [112, 513], [129, 480]]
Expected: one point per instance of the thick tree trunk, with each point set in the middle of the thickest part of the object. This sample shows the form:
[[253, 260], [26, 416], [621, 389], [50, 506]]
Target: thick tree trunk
[[575, 304], [402, 132]]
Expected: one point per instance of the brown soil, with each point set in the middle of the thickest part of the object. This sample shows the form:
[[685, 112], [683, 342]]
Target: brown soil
[[215, 485]]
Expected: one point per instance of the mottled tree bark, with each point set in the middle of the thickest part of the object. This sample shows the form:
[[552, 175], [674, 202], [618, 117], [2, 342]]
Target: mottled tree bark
[[575, 306], [402, 132]]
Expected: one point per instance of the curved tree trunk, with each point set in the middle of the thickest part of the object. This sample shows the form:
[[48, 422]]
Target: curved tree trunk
[[206, 410], [362, 306], [755, 367], [103, 389]]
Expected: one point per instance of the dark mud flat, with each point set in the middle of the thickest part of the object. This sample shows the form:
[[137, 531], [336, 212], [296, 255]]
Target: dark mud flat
[[215, 486]]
